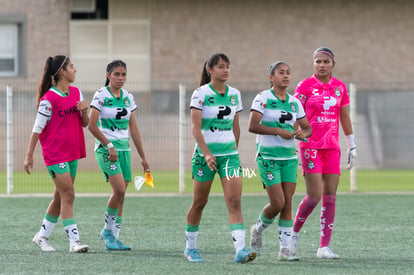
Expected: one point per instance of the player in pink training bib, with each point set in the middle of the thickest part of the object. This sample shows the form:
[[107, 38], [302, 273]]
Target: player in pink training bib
[[325, 101], [62, 112]]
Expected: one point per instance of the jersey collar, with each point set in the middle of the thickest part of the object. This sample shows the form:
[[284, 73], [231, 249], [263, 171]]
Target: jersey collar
[[225, 93]]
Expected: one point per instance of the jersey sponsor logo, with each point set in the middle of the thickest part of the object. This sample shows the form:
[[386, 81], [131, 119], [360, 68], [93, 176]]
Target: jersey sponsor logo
[[210, 99], [121, 112], [223, 111], [68, 111], [329, 101], [315, 92], [285, 116]]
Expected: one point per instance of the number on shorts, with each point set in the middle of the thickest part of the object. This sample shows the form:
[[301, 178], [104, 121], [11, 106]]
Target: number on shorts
[[310, 153], [200, 161]]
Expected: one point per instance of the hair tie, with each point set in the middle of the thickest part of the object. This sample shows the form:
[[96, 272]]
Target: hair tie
[[61, 65]]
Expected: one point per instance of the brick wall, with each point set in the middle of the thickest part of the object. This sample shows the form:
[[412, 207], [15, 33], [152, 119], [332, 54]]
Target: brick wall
[[373, 39], [47, 24]]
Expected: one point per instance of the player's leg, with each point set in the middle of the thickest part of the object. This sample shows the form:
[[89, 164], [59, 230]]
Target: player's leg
[[41, 239], [286, 223], [202, 181], [231, 181], [327, 216], [124, 158]]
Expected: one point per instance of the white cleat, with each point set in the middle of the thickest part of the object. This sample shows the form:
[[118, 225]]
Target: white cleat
[[255, 240], [43, 243], [326, 253], [286, 255], [294, 241], [78, 247]]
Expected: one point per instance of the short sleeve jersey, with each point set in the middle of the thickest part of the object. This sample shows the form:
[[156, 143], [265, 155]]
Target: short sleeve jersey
[[322, 103], [218, 112], [278, 114], [114, 115], [62, 139]]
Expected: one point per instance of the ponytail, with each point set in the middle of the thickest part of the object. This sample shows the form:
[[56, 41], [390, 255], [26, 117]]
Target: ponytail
[[51, 74]]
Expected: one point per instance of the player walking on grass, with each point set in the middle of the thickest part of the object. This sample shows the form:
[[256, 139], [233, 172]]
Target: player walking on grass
[[215, 108], [62, 112], [112, 114], [272, 117], [325, 100]]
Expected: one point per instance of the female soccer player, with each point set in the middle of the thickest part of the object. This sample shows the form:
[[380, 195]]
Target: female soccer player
[[215, 108], [62, 112], [112, 114], [272, 117], [325, 100]]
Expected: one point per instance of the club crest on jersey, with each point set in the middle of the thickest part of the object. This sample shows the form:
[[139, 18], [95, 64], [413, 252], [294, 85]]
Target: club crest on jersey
[[200, 172], [311, 165], [232, 100], [126, 102], [293, 107], [337, 92], [62, 165], [269, 176]]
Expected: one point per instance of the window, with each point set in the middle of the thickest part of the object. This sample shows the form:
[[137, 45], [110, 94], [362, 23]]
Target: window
[[89, 9], [9, 49]]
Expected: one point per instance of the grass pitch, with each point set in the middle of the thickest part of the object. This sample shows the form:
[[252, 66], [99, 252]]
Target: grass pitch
[[373, 235]]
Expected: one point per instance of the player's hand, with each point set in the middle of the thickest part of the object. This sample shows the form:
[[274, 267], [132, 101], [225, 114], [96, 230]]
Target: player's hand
[[211, 162], [285, 134], [82, 106], [112, 154], [352, 154], [28, 164], [145, 165]]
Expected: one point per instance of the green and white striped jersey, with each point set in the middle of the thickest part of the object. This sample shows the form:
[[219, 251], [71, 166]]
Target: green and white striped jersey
[[218, 113], [114, 114], [278, 114]]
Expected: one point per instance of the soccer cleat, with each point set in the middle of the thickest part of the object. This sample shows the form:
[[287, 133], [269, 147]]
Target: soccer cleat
[[193, 255], [294, 241], [255, 240], [121, 246], [244, 256], [286, 255], [326, 253], [43, 243], [78, 247], [110, 240]]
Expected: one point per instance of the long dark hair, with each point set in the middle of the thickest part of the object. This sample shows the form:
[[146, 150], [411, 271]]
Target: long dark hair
[[51, 74], [213, 60], [111, 66]]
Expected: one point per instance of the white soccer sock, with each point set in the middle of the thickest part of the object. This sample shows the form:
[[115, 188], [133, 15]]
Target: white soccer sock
[[285, 235], [109, 221], [239, 239], [46, 228], [191, 238], [72, 232], [116, 229]]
